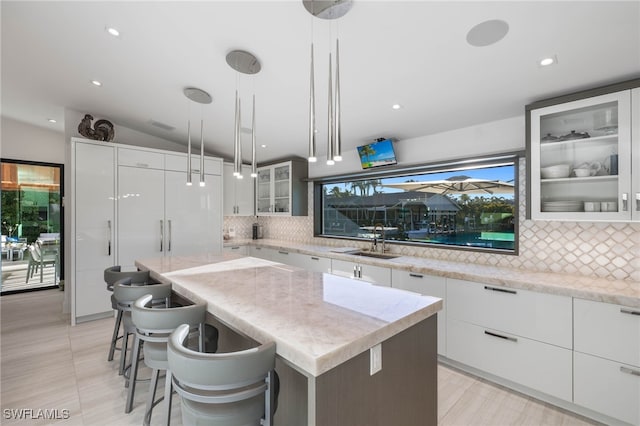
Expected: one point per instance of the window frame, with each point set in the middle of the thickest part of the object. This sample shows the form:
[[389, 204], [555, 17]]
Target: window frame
[[436, 167]]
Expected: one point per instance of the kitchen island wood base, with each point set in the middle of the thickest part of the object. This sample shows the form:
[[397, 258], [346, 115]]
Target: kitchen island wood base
[[402, 393]]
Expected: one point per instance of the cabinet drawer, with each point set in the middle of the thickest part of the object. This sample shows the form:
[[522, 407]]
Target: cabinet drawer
[[142, 159], [537, 316], [539, 366], [608, 387], [428, 285], [261, 252], [310, 263], [242, 250], [607, 330]]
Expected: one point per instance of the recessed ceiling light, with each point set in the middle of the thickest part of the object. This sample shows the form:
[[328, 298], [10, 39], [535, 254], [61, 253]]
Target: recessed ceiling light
[[96, 83], [549, 60], [487, 33], [396, 106], [263, 146], [51, 120], [113, 31]]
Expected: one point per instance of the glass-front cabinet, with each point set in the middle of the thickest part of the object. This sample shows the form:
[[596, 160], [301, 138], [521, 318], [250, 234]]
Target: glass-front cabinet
[[280, 190], [581, 159]]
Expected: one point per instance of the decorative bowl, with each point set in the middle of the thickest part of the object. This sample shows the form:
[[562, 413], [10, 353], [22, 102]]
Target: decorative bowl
[[582, 172], [555, 172]]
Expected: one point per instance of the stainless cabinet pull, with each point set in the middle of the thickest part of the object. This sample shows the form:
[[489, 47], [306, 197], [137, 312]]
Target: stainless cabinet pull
[[638, 201], [629, 311], [170, 235], [355, 271], [359, 271], [625, 198], [500, 336], [630, 371], [283, 252], [315, 258], [109, 239], [502, 290], [416, 275], [235, 248], [161, 233]]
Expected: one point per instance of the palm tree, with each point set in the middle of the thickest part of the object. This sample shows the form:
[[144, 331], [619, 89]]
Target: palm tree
[[366, 152]]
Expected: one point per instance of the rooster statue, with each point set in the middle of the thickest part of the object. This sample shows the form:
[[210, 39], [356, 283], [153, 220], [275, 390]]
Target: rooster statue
[[101, 131]]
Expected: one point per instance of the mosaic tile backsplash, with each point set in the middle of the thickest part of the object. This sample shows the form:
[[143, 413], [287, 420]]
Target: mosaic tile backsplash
[[606, 250]]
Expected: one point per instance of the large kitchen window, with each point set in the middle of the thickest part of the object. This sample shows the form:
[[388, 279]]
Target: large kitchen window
[[471, 205]]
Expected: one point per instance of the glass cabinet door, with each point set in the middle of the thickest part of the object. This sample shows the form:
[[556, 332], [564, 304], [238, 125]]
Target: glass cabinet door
[[264, 204], [580, 159], [282, 185]]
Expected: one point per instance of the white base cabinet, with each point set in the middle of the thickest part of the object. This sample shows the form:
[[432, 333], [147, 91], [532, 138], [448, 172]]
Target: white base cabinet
[[518, 335], [536, 365], [430, 286], [373, 274], [607, 359], [241, 250]]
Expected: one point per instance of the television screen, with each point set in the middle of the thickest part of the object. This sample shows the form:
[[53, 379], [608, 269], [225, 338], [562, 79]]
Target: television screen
[[377, 154]]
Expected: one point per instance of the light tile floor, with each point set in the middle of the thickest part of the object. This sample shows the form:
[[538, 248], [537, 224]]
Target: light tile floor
[[47, 364]]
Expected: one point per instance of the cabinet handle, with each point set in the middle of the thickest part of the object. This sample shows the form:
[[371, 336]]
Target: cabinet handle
[[625, 197], [109, 238], [355, 271], [638, 201], [161, 234], [629, 311], [359, 271], [500, 336], [315, 258], [629, 371], [416, 275], [501, 290], [283, 252], [142, 165], [170, 235]]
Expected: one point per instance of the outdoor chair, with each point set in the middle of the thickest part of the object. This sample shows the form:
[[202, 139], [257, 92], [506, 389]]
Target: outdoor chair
[[38, 261]]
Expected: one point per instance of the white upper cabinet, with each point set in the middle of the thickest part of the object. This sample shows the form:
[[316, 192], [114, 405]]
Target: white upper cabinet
[[584, 159], [239, 194]]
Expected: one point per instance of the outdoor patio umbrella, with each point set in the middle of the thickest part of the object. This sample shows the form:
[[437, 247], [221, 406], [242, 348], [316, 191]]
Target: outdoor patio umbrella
[[456, 185]]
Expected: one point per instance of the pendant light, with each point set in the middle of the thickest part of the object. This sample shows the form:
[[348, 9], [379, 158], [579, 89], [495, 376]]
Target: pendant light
[[245, 63], [254, 172], [328, 10], [199, 96]]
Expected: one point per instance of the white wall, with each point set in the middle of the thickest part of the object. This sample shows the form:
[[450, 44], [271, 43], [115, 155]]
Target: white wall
[[22, 141], [495, 137]]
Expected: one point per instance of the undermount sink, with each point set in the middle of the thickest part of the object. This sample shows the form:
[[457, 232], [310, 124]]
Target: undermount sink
[[371, 254]]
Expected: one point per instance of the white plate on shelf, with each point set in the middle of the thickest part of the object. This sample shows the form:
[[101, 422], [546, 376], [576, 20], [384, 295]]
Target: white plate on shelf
[[562, 206]]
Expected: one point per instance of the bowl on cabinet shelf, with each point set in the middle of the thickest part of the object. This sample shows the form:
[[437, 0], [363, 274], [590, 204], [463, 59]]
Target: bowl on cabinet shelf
[[555, 172]]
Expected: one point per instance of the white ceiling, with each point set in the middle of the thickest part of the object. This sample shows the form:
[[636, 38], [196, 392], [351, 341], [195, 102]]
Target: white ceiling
[[413, 53]]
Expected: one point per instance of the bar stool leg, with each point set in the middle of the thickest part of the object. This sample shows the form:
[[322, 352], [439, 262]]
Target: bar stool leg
[[123, 353], [168, 389], [115, 337], [133, 375]]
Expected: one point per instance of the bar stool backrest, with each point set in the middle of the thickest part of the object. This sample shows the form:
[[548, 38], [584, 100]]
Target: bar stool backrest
[[114, 273]]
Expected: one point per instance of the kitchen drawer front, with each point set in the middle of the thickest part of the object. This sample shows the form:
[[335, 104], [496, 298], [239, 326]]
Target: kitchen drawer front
[[540, 366], [607, 387], [607, 330], [538, 316], [311, 263], [428, 285], [141, 159], [261, 252], [242, 250]]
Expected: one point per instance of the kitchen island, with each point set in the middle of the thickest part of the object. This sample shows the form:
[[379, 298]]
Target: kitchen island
[[332, 336]]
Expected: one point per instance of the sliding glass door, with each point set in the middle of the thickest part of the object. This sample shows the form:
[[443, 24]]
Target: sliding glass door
[[32, 225]]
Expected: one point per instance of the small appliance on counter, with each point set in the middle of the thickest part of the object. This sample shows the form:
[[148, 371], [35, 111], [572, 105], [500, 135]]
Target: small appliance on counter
[[257, 231]]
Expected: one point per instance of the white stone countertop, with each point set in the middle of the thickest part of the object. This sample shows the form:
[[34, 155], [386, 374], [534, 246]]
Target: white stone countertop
[[317, 320], [626, 293]]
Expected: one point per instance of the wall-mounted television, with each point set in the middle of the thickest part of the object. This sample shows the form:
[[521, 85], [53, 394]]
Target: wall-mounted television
[[377, 154]]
